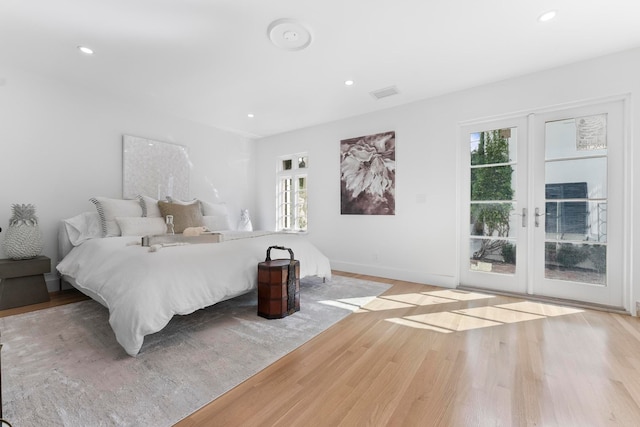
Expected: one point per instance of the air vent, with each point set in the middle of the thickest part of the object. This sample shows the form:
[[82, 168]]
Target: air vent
[[383, 93]]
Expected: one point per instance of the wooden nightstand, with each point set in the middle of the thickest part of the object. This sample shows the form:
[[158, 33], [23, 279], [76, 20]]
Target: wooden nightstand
[[22, 281]]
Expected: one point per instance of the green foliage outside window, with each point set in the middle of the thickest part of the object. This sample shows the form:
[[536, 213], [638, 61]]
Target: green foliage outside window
[[488, 184]]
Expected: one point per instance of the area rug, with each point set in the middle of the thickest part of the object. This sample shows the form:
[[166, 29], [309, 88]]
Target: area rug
[[63, 367]]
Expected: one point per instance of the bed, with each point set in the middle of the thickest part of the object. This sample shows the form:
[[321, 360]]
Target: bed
[[144, 288]]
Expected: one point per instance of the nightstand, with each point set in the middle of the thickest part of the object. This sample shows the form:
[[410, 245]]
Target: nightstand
[[22, 281]]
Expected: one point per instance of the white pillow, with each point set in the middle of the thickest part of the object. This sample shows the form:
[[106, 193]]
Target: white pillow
[[213, 209], [109, 209], [150, 207], [216, 222], [141, 226], [180, 202], [218, 210], [83, 227]]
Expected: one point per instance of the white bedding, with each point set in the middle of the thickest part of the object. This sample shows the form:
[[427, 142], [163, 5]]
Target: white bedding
[[143, 290]]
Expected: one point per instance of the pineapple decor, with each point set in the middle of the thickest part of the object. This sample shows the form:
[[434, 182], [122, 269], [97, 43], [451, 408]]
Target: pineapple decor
[[23, 239]]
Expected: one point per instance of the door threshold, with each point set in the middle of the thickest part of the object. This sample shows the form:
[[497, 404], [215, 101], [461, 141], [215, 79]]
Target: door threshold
[[552, 300]]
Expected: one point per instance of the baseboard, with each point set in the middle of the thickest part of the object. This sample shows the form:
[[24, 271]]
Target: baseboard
[[53, 282], [396, 274], [551, 300]]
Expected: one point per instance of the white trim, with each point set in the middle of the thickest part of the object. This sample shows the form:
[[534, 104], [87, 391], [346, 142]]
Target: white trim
[[500, 281], [459, 169], [294, 174], [530, 201], [396, 274], [628, 295], [548, 109]]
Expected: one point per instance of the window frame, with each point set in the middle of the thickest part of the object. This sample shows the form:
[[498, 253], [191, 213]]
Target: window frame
[[288, 220]]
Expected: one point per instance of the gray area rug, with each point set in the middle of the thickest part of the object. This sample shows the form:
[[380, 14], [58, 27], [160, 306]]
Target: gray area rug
[[63, 366]]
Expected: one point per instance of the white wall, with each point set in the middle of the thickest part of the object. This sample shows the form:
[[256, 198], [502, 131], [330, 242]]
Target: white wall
[[419, 242], [62, 144]]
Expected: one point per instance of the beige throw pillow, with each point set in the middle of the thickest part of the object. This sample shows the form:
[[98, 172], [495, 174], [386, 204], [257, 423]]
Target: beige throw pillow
[[184, 216]]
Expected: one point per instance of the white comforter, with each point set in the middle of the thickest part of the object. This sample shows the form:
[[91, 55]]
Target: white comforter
[[143, 289]]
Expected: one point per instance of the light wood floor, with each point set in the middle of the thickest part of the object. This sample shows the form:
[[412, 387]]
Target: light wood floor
[[423, 356], [57, 298]]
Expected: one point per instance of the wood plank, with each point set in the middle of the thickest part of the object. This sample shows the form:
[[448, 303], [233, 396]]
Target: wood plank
[[410, 358], [66, 296]]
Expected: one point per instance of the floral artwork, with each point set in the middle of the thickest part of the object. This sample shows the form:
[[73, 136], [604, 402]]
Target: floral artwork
[[368, 174]]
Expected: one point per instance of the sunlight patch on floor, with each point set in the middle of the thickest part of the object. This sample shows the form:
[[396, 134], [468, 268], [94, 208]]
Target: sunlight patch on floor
[[540, 308], [499, 314], [420, 299], [382, 303], [447, 321], [417, 325], [482, 317], [351, 304], [415, 299], [451, 321], [453, 294]]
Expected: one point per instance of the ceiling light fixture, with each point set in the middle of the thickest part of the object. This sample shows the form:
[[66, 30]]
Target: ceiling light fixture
[[289, 34], [547, 16], [250, 115], [349, 82], [85, 50]]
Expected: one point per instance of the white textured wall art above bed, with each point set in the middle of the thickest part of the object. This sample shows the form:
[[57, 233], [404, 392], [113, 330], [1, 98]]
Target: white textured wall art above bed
[[153, 168]]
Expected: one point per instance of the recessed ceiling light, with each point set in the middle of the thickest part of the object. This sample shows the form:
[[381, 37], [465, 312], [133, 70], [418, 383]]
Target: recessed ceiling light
[[349, 82], [85, 50], [250, 115], [547, 16]]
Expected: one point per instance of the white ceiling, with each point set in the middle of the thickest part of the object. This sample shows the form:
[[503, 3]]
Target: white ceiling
[[211, 61]]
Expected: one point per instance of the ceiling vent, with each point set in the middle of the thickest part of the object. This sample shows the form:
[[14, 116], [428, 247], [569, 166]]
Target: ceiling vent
[[384, 93]]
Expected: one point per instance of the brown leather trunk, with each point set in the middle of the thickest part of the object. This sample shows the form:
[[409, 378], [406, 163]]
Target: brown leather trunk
[[277, 295]]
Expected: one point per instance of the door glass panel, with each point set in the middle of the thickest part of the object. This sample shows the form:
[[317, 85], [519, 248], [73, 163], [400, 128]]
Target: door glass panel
[[493, 218], [493, 255], [493, 183], [584, 263], [491, 147], [588, 178], [577, 221], [583, 135], [576, 200]]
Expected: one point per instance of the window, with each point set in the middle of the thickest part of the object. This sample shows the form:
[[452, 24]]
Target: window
[[564, 217], [292, 193]]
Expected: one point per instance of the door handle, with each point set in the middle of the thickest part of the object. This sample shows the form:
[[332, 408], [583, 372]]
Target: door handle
[[524, 216], [538, 215]]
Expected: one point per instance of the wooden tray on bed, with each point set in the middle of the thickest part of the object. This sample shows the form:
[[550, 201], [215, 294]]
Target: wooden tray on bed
[[160, 239]]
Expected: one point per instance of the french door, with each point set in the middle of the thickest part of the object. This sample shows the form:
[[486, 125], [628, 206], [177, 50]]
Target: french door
[[543, 204]]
